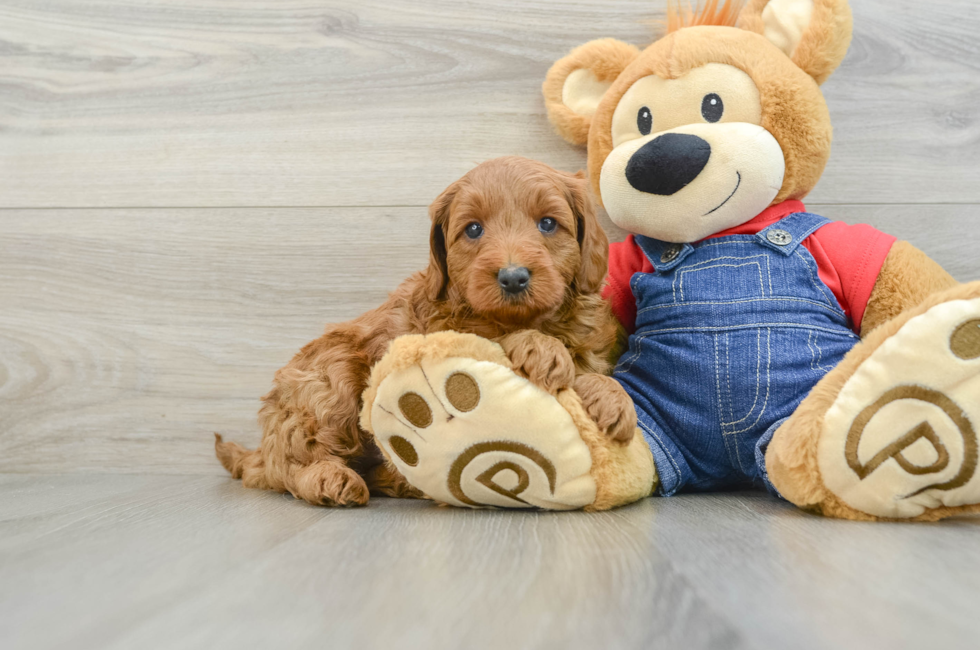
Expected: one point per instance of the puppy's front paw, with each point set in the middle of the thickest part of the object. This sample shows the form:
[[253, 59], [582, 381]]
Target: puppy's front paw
[[608, 405], [541, 359]]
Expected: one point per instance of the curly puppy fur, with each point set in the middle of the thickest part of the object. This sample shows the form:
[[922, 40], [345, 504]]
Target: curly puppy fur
[[312, 445]]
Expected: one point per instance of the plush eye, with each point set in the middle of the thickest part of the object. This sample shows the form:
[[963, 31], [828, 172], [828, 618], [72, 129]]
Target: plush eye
[[547, 225], [474, 230], [644, 121], [712, 108]]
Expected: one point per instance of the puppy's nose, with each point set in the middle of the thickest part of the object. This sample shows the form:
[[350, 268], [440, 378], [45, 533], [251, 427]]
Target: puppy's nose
[[668, 164], [514, 279]]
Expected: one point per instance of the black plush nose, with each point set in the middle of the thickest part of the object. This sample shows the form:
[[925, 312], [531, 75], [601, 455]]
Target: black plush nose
[[668, 164], [513, 279]]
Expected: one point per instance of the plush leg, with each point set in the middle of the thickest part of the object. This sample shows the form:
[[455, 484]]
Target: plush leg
[[892, 433], [460, 422]]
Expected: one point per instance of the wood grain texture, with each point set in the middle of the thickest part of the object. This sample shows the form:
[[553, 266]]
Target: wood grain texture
[[370, 102], [132, 327], [128, 336], [178, 562]]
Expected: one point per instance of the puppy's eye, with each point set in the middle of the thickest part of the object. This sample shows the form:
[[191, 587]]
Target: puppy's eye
[[474, 230], [712, 108], [547, 225], [644, 121]]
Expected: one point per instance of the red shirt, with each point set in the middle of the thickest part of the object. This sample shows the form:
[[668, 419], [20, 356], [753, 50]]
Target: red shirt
[[849, 260]]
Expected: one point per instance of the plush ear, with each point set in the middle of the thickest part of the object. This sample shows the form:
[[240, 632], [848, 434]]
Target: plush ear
[[815, 34], [437, 275], [592, 241], [575, 85]]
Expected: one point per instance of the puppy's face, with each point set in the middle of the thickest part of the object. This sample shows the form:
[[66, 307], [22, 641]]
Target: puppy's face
[[516, 237]]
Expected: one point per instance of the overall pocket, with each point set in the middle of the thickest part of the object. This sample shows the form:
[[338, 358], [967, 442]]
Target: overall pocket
[[743, 378]]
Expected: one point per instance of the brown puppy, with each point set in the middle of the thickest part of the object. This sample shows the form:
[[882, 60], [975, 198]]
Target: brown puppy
[[517, 256]]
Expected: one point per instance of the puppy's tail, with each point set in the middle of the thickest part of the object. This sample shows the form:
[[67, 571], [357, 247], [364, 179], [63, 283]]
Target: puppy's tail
[[232, 455]]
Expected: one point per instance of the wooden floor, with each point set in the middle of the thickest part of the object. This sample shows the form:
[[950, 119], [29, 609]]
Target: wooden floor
[[191, 189], [111, 561]]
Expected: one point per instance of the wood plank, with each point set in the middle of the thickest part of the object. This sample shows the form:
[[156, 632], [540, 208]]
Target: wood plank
[[83, 559], [94, 561], [364, 102], [147, 330], [128, 336]]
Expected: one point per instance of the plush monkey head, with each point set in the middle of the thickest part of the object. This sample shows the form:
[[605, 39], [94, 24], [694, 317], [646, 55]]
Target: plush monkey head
[[711, 124]]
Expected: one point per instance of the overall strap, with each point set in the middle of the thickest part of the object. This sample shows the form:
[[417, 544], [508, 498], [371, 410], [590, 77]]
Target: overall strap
[[663, 255], [786, 235]]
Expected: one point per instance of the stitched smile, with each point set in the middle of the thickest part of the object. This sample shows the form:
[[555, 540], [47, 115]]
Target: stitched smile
[[738, 185]]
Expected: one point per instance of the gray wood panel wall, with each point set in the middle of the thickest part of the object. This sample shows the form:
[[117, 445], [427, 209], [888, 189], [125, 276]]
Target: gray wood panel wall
[[190, 189]]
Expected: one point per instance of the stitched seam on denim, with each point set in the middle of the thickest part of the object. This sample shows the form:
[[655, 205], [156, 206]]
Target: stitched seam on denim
[[732, 458], [816, 344], [836, 312], [816, 223], [765, 404], [758, 382], [728, 373], [695, 265], [752, 240], [663, 448], [758, 266], [768, 260], [703, 264], [813, 223], [818, 284], [813, 354], [721, 409], [627, 365], [823, 291], [801, 326]]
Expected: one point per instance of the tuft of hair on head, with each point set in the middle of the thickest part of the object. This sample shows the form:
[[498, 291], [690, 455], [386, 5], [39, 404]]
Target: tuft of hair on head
[[713, 12]]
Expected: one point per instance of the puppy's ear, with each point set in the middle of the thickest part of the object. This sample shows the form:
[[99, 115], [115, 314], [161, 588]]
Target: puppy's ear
[[815, 34], [592, 241], [575, 85], [437, 275]]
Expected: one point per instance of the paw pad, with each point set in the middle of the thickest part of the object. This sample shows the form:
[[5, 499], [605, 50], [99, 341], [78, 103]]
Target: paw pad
[[404, 450], [415, 409], [473, 433], [462, 392], [965, 341]]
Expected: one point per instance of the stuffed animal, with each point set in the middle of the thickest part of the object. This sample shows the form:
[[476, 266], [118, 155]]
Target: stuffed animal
[[831, 363], [769, 345]]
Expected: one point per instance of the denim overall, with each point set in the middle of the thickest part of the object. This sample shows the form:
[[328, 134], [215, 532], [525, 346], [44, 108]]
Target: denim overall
[[731, 335]]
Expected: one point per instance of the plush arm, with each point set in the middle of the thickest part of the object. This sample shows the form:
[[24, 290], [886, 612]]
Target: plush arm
[[907, 278]]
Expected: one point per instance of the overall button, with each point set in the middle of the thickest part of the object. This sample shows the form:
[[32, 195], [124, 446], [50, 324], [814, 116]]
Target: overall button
[[779, 237], [670, 254]]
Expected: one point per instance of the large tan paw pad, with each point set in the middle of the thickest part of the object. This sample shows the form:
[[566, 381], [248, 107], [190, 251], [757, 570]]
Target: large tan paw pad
[[472, 433], [902, 436]]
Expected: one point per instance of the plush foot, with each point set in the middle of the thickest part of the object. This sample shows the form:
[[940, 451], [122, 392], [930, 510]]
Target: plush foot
[[900, 438], [454, 418]]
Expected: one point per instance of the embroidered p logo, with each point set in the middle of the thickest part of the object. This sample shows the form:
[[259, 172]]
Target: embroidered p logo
[[488, 476], [896, 450]]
